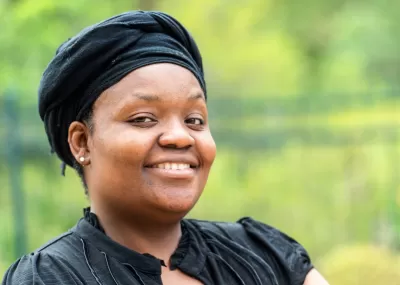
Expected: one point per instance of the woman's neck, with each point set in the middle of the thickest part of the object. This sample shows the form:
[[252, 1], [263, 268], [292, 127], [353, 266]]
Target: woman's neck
[[158, 239]]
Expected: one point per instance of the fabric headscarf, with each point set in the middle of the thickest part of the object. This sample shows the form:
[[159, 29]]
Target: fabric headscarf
[[100, 56]]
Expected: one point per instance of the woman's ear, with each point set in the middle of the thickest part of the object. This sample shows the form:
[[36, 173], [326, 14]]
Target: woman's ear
[[78, 138]]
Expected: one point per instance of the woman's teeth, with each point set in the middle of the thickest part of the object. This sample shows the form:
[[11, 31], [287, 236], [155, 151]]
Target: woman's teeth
[[174, 166]]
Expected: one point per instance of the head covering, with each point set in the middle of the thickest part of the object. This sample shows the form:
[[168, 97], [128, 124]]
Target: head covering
[[100, 56]]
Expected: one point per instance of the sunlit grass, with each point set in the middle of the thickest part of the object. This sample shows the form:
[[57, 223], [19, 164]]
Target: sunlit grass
[[361, 264]]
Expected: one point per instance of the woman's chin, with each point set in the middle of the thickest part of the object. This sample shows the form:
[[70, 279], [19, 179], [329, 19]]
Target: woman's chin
[[177, 205]]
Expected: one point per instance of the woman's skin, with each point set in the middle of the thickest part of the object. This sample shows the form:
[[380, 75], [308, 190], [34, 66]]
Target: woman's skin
[[154, 118]]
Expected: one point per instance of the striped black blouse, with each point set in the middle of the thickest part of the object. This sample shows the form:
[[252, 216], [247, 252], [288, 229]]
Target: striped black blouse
[[246, 252]]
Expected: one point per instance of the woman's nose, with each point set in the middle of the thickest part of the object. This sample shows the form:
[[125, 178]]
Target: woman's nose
[[176, 136]]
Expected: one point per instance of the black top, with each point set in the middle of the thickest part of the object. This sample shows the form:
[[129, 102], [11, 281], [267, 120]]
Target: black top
[[246, 252]]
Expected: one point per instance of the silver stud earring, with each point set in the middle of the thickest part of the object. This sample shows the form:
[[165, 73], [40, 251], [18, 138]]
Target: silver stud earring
[[81, 159]]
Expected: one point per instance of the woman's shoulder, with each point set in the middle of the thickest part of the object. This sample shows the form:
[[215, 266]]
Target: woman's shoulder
[[50, 263], [246, 229], [283, 253]]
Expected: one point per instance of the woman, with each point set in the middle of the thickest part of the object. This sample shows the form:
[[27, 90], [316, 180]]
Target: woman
[[124, 103]]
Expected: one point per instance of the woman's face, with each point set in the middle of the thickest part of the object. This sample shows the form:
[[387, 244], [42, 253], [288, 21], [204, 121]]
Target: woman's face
[[151, 149]]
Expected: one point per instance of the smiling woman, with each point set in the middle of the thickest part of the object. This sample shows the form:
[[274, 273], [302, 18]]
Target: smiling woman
[[155, 151], [124, 103]]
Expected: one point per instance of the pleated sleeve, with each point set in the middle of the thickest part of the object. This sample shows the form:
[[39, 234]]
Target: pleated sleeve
[[289, 259], [39, 269]]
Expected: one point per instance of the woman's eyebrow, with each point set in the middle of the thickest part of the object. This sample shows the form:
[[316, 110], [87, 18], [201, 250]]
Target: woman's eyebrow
[[151, 97], [196, 96], [146, 97]]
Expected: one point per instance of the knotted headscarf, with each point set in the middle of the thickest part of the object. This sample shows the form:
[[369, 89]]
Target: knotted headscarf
[[100, 56]]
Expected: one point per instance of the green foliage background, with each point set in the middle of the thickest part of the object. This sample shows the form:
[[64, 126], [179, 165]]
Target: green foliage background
[[304, 108]]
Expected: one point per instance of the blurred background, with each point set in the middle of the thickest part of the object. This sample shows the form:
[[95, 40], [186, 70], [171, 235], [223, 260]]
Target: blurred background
[[304, 106]]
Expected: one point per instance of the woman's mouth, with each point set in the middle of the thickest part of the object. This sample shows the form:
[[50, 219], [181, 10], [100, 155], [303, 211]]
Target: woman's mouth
[[172, 165], [178, 170]]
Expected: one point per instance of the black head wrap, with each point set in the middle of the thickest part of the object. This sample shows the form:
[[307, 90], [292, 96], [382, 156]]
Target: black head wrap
[[100, 56]]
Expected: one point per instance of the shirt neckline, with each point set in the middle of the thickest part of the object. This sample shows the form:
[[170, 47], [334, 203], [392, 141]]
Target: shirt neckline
[[189, 256]]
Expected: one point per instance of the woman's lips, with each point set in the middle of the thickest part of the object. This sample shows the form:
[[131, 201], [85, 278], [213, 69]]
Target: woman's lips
[[178, 170], [186, 173]]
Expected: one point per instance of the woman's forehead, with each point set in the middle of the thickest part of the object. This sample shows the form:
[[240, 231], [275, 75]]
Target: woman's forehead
[[126, 103], [154, 83], [154, 75]]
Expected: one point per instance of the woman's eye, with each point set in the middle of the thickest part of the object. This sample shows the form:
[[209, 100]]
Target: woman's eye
[[195, 121], [142, 120]]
